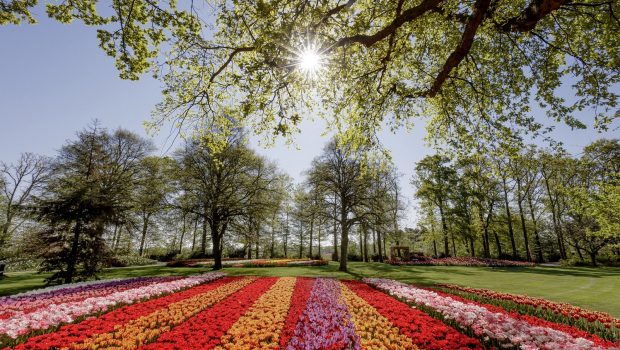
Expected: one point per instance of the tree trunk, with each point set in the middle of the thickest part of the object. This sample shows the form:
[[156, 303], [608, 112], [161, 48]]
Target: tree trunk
[[335, 254], [593, 258], [366, 259], [216, 238], [301, 239], [379, 245], [485, 234], [556, 227], [498, 244], [311, 229], [182, 233], [203, 241], [72, 258], [471, 247], [145, 226], [318, 237], [511, 233], [194, 233], [528, 256], [257, 239], [272, 248], [344, 247], [539, 253], [444, 226]]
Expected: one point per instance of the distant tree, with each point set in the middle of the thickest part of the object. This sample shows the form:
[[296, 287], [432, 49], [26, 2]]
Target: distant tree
[[19, 183], [225, 185], [149, 193], [435, 180], [92, 181]]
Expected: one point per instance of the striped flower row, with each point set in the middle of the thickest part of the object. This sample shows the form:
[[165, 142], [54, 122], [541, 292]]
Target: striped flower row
[[305, 313], [260, 313], [502, 327], [589, 320], [20, 306], [55, 314]]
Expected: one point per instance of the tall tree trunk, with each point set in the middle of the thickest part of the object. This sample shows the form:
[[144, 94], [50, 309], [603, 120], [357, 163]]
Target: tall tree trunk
[[203, 240], [444, 226], [194, 233], [511, 233], [537, 242], [485, 234], [145, 226], [528, 255], [554, 219], [286, 233], [216, 238], [498, 244], [257, 239], [182, 233], [471, 247], [301, 239], [366, 259], [380, 246], [318, 237], [592, 255], [453, 243], [311, 229], [335, 254], [374, 241], [72, 258], [272, 248], [344, 243]]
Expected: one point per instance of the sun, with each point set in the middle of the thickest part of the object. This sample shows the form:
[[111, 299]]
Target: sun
[[310, 61]]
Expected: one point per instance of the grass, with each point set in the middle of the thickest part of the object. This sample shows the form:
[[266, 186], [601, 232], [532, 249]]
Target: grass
[[591, 288]]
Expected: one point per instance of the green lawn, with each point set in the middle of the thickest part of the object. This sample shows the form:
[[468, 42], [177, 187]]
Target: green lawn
[[586, 287]]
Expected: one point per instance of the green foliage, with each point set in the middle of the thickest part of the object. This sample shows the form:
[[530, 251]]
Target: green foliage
[[473, 69], [90, 187], [16, 11]]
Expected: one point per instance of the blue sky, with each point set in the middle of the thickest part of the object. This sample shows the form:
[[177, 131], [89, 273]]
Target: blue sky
[[54, 80]]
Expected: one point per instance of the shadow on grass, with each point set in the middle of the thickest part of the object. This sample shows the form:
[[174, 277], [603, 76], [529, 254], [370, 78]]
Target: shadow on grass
[[563, 271]]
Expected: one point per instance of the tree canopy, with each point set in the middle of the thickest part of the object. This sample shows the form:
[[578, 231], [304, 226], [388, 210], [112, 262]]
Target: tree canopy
[[474, 68]]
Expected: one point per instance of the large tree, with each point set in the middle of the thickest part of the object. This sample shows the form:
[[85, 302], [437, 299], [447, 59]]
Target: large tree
[[91, 184], [226, 185], [19, 182], [473, 67]]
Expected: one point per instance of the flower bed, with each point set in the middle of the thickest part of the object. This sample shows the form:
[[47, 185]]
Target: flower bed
[[591, 321], [249, 263], [464, 261], [500, 327], [215, 312]]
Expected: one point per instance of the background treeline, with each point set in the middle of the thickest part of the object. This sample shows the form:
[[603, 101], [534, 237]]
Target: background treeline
[[536, 205], [108, 199]]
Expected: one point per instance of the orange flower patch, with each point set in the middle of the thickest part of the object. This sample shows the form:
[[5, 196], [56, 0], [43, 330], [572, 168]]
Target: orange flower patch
[[260, 327], [146, 328], [375, 331]]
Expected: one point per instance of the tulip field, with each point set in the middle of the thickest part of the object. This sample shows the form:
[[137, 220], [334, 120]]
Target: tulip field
[[215, 311]]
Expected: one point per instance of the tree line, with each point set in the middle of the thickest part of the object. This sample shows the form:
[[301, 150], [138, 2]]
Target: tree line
[[536, 204], [106, 194]]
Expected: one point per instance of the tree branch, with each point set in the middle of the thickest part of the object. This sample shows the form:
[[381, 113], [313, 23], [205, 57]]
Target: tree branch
[[533, 13], [406, 17], [480, 9]]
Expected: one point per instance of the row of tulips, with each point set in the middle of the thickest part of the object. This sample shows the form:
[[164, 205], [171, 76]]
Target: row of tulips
[[55, 314], [250, 263], [17, 307], [502, 328], [463, 261], [596, 322], [310, 314]]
